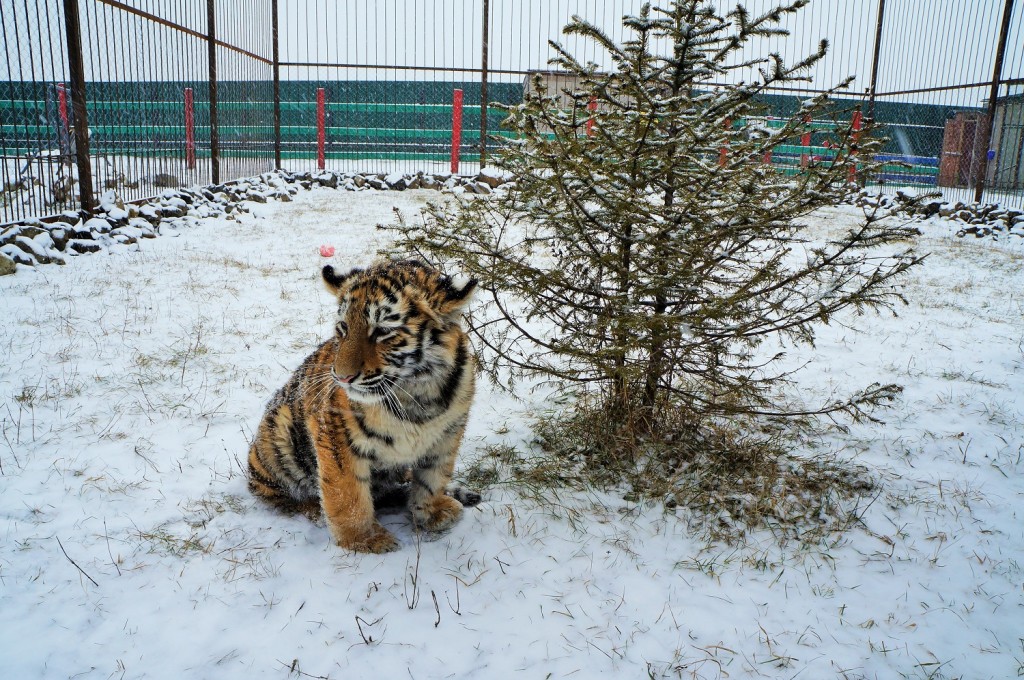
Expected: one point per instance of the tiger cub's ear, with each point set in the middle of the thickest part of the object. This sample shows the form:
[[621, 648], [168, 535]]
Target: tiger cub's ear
[[333, 279], [457, 292]]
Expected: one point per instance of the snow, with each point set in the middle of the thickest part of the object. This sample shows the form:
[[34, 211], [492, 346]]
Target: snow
[[133, 380], [394, 178], [496, 173], [109, 204]]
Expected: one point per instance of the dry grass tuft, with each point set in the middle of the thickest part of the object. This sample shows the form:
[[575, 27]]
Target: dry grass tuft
[[722, 479]]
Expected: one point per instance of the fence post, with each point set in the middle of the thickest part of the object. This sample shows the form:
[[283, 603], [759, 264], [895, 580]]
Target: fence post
[[723, 153], [805, 140], [76, 69], [277, 84], [321, 123], [855, 126], [456, 129], [211, 48], [62, 107], [592, 107], [874, 60], [997, 75], [190, 130], [483, 86]]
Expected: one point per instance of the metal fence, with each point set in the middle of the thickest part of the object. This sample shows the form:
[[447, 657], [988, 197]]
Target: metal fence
[[137, 95]]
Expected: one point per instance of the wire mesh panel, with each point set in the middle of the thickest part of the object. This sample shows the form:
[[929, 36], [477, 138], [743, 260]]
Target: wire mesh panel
[[371, 85], [244, 57], [380, 77], [36, 167], [934, 86], [387, 73], [135, 90], [149, 92], [183, 91], [148, 85]]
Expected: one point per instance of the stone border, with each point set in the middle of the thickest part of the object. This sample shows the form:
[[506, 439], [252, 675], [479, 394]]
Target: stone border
[[980, 220], [119, 226]]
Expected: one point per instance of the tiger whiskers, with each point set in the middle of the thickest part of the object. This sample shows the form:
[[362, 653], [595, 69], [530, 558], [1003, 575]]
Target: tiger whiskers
[[399, 387], [388, 394], [405, 411], [322, 386]]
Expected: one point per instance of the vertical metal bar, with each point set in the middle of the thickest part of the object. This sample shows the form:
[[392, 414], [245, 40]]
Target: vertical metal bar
[[136, 157], [76, 69], [113, 166], [211, 46], [483, 86], [874, 60], [456, 129], [277, 85], [44, 14], [997, 75]]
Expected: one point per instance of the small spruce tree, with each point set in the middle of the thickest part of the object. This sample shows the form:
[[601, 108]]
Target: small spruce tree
[[643, 259]]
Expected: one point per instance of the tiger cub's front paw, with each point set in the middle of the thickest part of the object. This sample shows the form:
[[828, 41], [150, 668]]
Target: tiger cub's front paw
[[437, 513], [376, 539]]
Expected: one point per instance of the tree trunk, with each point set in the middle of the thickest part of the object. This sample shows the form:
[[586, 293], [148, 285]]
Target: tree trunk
[[620, 387]]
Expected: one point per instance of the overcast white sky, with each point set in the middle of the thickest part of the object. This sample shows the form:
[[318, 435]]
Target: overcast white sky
[[926, 42]]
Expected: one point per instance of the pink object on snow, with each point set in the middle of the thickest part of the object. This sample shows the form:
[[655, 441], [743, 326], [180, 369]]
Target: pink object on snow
[[326, 251]]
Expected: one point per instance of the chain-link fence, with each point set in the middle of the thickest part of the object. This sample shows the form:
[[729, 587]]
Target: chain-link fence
[[133, 96], [136, 95]]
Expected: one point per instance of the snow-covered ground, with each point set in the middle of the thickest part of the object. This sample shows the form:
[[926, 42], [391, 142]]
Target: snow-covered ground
[[130, 548]]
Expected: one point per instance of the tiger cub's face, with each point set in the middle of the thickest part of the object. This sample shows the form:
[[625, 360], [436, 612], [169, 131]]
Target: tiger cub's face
[[397, 323]]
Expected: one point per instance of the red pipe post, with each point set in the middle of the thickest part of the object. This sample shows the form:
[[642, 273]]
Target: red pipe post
[[856, 127], [592, 107], [62, 106], [805, 140], [190, 130], [456, 129], [723, 153], [321, 131]]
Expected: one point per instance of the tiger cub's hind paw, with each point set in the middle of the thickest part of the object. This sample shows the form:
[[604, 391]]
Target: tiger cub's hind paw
[[312, 510], [437, 513], [467, 497]]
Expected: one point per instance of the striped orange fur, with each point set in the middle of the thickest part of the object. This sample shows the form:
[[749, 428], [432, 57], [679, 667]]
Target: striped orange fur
[[382, 403]]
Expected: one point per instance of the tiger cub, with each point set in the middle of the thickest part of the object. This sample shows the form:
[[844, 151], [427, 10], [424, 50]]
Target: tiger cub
[[384, 401]]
